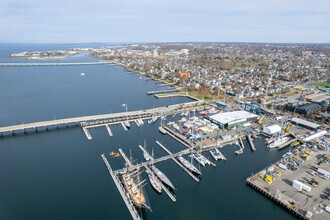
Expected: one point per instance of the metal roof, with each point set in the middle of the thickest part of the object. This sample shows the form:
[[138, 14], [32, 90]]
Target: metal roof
[[305, 123], [226, 117]]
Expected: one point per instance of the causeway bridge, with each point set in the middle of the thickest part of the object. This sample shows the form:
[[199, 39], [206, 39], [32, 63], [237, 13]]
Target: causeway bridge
[[101, 119], [52, 64]]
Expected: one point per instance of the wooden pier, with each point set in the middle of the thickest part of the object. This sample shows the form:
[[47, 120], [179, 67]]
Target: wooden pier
[[251, 142], [172, 197], [177, 162], [122, 191]]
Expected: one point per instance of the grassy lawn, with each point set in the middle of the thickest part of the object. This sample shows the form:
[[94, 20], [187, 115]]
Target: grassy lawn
[[321, 84]]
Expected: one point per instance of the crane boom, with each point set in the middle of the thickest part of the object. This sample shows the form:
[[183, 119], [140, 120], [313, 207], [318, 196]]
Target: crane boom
[[294, 110]]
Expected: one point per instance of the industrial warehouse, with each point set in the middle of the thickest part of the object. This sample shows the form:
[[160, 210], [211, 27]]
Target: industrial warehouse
[[232, 119]]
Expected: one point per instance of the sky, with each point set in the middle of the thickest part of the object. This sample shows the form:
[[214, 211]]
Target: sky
[[119, 21]]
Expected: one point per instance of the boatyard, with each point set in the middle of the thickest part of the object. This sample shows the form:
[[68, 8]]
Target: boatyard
[[277, 182], [201, 133]]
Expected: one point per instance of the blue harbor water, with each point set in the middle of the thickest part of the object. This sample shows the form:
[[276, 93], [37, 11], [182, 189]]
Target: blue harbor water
[[59, 174]]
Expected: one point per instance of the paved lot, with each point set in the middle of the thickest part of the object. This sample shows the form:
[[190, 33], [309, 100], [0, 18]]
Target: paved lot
[[312, 201]]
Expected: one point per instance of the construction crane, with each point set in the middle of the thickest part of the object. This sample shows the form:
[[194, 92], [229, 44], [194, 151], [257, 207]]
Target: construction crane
[[294, 110], [261, 119]]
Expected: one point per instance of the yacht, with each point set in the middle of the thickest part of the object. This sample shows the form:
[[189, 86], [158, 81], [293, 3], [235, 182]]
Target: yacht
[[188, 165], [154, 182], [162, 177], [200, 159], [278, 142], [216, 154]]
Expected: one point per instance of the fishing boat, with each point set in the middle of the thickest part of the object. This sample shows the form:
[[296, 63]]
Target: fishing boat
[[216, 154], [162, 177], [278, 142], [133, 187], [154, 182], [189, 165]]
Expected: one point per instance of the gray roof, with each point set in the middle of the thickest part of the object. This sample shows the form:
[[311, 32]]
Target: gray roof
[[305, 123]]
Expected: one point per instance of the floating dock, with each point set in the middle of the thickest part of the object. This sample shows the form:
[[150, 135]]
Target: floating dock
[[88, 135], [109, 130], [122, 191], [124, 126], [251, 142], [177, 162], [160, 182]]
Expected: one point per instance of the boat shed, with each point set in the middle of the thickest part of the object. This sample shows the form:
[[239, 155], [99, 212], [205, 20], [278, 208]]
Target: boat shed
[[306, 124], [271, 130], [232, 119]]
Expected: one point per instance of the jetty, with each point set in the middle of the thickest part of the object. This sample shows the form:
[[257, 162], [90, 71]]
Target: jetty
[[161, 91], [122, 191], [251, 142]]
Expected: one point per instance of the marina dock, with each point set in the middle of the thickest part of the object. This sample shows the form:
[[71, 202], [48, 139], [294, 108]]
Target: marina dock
[[160, 182], [125, 157], [109, 130], [121, 190], [88, 135], [251, 142], [124, 126], [177, 162]]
